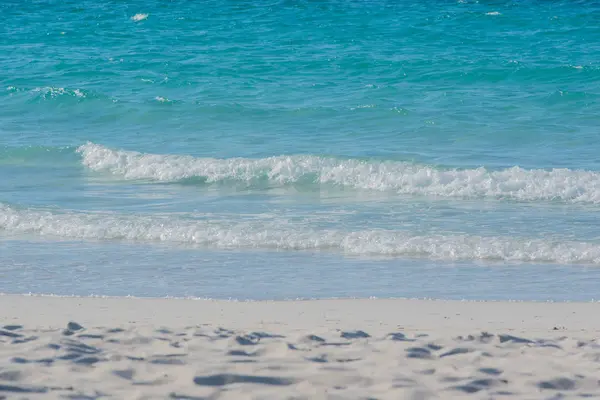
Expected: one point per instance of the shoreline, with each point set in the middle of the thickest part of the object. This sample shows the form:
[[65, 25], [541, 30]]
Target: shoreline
[[377, 314]]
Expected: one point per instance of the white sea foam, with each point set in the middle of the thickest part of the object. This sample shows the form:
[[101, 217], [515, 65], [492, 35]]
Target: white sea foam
[[52, 92], [493, 13], [513, 183], [273, 233], [139, 17]]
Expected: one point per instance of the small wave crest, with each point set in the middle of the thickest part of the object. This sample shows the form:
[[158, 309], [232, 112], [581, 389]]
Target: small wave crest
[[139, 17], [55, 94], [400, 177], [37, 155], [50, 92], [280, 234]]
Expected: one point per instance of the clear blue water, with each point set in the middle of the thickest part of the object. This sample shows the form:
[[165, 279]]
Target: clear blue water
[[269, 150]]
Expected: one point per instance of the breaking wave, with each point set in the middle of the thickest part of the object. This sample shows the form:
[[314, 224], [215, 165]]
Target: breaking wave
[[280, 234], [401, 177]]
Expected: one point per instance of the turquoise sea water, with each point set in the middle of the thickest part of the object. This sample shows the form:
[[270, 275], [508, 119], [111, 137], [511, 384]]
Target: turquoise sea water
[[268, 150]]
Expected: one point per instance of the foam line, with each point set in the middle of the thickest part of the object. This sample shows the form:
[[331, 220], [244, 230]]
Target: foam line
[[400, 177], [280, 234]]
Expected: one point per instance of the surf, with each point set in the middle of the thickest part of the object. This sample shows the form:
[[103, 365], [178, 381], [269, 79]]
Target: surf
[[515, 183], [223, 232]]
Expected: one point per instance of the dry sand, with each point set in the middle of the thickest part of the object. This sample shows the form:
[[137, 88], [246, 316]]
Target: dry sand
[[125, 348]]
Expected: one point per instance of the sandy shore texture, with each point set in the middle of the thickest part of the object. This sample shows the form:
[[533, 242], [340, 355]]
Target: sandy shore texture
[[125, 348]]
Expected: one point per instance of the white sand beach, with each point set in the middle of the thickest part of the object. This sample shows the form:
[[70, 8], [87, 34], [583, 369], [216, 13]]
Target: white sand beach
[[127, 348]]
